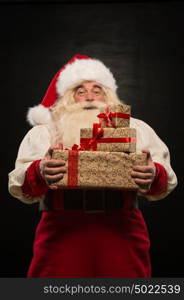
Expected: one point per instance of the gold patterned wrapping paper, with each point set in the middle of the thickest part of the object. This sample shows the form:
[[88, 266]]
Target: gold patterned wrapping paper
[[126, 137], [118, 122], [98, 169]]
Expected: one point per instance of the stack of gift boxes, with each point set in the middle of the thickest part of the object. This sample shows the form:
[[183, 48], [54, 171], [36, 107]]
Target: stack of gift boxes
[[106, 153]]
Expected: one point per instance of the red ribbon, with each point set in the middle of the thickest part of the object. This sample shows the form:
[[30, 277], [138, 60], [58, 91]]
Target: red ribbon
[[107, 117], [73, 157], [86, 141]]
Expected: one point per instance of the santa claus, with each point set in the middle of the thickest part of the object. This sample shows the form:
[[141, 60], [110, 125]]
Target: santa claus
[[86, 233]]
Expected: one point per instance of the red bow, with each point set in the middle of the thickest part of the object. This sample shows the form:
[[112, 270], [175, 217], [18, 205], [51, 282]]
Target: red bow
[[87, 144]]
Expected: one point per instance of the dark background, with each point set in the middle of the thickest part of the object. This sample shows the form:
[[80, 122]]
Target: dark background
[[142, 43]]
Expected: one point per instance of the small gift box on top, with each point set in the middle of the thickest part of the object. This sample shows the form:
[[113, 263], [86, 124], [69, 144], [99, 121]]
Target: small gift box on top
[[115, 116]]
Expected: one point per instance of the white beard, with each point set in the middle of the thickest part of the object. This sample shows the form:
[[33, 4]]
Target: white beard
[[74, 118]]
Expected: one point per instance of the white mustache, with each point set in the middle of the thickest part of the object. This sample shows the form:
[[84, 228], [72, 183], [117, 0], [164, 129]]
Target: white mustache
[[82, 106], [92, 105]]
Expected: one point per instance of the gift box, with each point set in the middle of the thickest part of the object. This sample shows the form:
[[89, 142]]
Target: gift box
[[98, 169], [108, 139], [115, 116]]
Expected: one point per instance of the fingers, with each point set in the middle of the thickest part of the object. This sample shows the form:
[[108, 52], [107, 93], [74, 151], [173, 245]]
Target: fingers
[[54, 174], [50, 179], [52, 170], [46, 164], [143, 182], [54, 163], [142, 175], [143, 169], [149, 158]]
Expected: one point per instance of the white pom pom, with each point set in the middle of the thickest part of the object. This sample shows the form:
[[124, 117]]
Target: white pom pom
[[38, 115]]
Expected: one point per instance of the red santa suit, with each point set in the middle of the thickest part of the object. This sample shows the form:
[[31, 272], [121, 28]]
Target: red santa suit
[[86, 233]]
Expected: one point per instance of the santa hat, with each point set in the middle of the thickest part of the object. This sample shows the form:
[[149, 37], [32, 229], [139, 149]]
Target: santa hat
[[80, 67]]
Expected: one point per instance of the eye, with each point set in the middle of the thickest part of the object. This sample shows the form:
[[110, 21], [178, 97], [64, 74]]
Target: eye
[[97, 92], [80, 93]]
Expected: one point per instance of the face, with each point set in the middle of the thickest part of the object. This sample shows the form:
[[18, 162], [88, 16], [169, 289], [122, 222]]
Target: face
[[89, 92]]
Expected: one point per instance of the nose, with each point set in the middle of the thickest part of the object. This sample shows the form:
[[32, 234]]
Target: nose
[[89, 97]]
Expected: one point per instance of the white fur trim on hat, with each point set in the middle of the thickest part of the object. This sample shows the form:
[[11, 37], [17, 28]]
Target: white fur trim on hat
[[38, 115], [85, 69]]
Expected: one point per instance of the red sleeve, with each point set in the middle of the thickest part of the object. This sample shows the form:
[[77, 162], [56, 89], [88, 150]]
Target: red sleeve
[[34, 185], [159, 184]]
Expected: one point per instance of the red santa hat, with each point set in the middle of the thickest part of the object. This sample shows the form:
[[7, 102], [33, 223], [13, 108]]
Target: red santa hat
[[79, 67]]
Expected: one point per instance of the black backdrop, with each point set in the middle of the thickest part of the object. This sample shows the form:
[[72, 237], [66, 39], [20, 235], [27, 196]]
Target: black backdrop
[[142, 43]]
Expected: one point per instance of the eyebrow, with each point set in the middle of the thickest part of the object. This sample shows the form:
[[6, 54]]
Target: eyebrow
[[78, 87], [97, 86], [81, 86]]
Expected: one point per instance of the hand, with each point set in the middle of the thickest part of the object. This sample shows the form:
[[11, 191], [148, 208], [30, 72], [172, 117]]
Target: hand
[[52, 170], [144, 175]]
